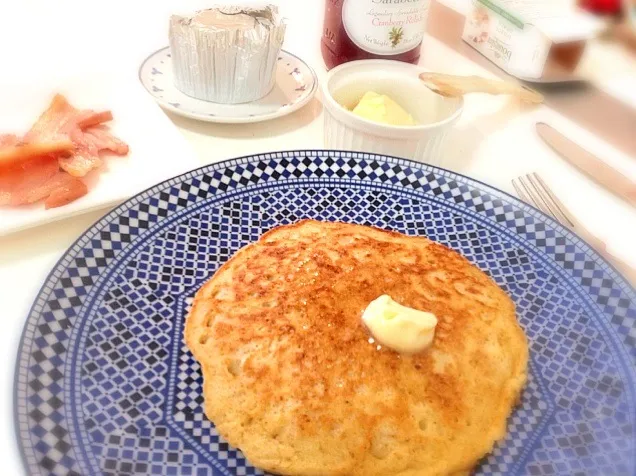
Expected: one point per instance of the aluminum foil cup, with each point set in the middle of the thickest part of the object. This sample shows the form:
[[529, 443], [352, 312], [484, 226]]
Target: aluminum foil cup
[[226, 54]]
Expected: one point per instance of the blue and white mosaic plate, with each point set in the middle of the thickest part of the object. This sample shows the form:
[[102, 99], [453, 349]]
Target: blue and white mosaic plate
[[105, 384], [296, 84]]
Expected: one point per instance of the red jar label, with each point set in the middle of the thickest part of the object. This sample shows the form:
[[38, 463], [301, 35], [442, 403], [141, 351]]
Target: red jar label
[[385, 27]]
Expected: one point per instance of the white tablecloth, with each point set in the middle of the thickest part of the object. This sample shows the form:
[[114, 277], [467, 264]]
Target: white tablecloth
[[494, 141]]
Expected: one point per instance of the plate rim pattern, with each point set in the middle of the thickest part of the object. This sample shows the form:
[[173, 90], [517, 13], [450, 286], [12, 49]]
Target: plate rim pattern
[[22, 427]]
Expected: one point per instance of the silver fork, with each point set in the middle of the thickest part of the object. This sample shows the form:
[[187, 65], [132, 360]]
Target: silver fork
[[532, 189]]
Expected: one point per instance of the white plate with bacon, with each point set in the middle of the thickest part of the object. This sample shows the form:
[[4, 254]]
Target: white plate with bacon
[[81, 144]]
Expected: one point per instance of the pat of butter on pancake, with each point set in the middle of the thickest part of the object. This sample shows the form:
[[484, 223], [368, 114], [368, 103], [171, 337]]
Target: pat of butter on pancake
[[398, 327]]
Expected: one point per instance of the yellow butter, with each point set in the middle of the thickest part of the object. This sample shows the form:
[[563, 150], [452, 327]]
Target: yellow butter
[[380, 108], [401, 328]]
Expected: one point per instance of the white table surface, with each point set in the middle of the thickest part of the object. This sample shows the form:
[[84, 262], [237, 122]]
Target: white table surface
[[494, 141]]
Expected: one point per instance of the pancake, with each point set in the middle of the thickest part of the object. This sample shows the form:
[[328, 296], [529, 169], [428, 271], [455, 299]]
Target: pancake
[[292, 378]]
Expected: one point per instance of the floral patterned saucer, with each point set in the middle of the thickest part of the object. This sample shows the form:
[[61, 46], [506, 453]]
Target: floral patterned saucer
[[296, 84]]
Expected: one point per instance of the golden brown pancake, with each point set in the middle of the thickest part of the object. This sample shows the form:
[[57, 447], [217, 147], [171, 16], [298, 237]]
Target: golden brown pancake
[[292, 379]]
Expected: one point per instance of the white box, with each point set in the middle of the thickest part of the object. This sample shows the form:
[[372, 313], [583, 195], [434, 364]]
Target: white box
[[529, 38]]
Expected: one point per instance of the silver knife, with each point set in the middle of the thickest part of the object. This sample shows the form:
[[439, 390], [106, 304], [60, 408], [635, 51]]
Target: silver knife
[[589, 164]]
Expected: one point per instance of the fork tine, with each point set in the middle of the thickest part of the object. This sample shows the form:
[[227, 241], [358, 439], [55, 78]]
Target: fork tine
[[557, 208], [521, 192], [527, 189], [563, 210], [540, 198]]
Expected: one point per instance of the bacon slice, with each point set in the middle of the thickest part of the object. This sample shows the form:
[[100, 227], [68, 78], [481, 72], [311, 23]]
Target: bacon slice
[[104, 140], [66, 190], [26, 182], [89, 118], [85, 158], [39, 179], [6, 189], [90, 143], [51, 124], [63, 138], [7, 140], [20, 151], [62, 119], [81, 163]]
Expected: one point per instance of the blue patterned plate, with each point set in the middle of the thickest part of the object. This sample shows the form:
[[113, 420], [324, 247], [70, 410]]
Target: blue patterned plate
[[105, 384]]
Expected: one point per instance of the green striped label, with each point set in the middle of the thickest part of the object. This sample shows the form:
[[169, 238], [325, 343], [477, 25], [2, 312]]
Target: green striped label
[[502, 13]]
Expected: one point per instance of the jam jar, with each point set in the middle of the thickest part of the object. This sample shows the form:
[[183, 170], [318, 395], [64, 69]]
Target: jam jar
[[365, 29]]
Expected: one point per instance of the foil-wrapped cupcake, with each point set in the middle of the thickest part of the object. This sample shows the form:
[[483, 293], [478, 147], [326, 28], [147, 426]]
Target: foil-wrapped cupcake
[[226, 54]]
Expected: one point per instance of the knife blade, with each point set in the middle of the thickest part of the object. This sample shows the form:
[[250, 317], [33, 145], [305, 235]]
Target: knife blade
[[588, 163]]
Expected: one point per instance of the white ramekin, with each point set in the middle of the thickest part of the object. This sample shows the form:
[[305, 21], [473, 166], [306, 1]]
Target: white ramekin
[[435, 114]]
